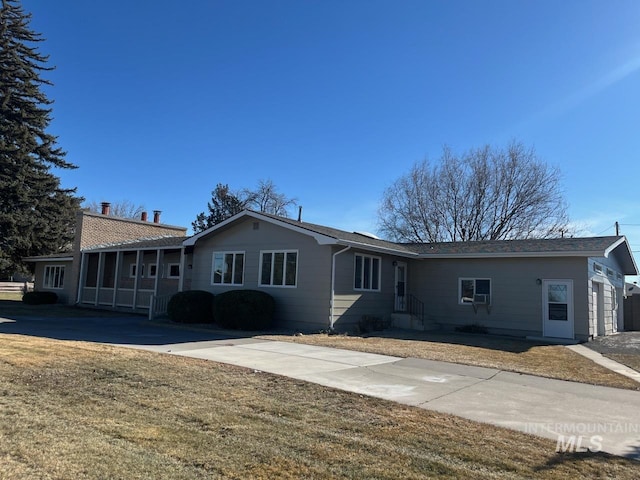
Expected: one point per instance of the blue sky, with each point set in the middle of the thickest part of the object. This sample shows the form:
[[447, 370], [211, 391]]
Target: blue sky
[[158, 101]]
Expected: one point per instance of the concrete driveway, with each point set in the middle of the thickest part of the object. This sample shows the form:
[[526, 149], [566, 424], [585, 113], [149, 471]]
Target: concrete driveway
[[576, 416], [621, 343]]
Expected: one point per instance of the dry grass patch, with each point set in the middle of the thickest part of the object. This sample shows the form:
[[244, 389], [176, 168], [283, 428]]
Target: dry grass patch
[[84, 411], [628, 359], [514, 355]]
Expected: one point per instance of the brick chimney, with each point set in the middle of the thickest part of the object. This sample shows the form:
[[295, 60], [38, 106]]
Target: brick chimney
[[143, 217], [106, 208], [156, 216]]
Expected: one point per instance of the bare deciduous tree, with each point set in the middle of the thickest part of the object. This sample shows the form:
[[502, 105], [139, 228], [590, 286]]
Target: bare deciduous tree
[[225, 203], [485, 194], [266, 198], [122, 208]]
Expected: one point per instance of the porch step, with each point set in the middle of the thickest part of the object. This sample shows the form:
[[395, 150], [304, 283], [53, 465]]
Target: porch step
[[407, 321]]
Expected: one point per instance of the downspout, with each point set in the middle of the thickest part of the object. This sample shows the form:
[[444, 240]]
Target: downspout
[[333, 285]]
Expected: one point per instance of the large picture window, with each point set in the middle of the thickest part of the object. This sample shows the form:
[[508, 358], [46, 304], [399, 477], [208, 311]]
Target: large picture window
[[367, 273], [228, 268], [279, 268], [53, 276], [475, 290]]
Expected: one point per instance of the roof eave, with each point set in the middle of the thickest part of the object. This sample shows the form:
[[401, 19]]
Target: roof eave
[[513, 254], [630, 266], [320, 238], [47, 259], [379, 249], [124, 248]]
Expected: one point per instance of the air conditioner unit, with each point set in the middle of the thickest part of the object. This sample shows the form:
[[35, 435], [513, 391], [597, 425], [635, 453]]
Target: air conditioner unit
[[481, 298]]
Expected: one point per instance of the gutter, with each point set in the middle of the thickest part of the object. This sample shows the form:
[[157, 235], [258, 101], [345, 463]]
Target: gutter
[[333, 284]]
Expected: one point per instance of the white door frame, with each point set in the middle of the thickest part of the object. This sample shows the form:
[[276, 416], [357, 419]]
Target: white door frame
[[558, 328], [597, 303], [400, 290]]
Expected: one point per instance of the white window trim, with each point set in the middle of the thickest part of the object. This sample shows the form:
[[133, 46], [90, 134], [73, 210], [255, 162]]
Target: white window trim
[[355, 262], [169, 266], [53, 268], [233, 266], [132, 273], [461, 279], [151, 265], [284, 269]]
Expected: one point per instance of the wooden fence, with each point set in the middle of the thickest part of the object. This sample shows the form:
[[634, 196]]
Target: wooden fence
[[15, 286], [632, 313]]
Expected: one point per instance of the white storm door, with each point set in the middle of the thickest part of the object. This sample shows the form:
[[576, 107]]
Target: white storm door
[[557, 308]]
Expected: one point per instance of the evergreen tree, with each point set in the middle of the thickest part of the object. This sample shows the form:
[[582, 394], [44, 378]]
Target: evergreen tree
[[36, 214], [223, 205]]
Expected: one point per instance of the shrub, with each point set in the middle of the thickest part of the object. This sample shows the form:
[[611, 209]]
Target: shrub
[[192, 306], [244, 310], [472, 328], [40, 298], [371, 323]]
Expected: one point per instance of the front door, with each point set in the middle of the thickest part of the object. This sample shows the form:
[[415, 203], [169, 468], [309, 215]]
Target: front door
[[557, 304], [401, 287]]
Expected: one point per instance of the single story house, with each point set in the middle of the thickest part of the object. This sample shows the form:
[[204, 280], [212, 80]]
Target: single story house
[[326, 278]]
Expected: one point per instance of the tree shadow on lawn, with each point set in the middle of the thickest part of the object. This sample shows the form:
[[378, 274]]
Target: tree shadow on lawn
[[14, 309], [66, 322], [574, 459], [480, 340]]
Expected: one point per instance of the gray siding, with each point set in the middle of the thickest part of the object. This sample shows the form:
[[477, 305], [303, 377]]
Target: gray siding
[[611, 287], [352, 304], [305, 307], [516, 297], [65, 294]]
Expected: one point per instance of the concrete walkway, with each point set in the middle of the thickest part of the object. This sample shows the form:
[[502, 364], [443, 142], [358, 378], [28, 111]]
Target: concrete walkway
[[576, 416], [606, 362]]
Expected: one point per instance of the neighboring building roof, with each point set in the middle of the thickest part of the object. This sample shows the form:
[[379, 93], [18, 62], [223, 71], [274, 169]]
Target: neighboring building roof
[[134, 221]]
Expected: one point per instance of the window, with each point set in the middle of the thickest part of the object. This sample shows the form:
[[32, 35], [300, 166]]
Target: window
[[228, 268], [53, 276], [279, 268], [475, 290], [153, 270], [367, 273], [133, 269], [174, 270]]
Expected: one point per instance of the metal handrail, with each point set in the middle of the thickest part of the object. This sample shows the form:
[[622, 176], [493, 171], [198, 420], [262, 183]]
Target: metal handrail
[[416, 307]]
